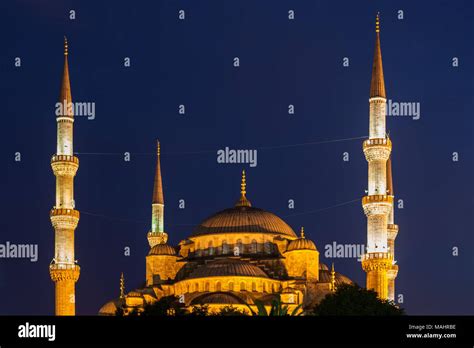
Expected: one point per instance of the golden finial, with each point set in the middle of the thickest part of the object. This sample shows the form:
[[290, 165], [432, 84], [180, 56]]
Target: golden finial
[[302, 232], [243, 184], [122, 286], [333, 278], [158, 147], [377, 23], [65, 45]]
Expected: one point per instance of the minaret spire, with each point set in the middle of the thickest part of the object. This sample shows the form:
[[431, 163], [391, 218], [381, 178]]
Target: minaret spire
[[377, 84], [122, 286], [157, 234], [64, 270], [333, 278], [243, 201], [302, 232], [158, 185]]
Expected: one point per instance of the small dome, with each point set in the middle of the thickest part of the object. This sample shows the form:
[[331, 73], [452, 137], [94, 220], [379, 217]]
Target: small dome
[[301, 243], [110, 308], [228, 267], [162, 249], [325, 277]]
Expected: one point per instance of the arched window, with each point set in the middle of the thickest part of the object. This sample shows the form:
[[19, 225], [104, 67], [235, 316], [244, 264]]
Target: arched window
[[268, 247], [240, 246], [218, 286], [264, 287], [207, 286], [196, 287], [187, 288], [254, 287], [225, 247], [253, 247], [211, 248], [231, 286], [242, 286]]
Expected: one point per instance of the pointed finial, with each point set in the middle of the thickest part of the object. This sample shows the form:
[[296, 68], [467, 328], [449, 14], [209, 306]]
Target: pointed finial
[[333, 278], [243, 184], [65, 46], [243, 201], [302, 232], [377, 23], [158, 147], [122, 286]]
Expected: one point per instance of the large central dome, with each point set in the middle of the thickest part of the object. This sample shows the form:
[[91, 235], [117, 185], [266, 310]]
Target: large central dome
[[243, 219]]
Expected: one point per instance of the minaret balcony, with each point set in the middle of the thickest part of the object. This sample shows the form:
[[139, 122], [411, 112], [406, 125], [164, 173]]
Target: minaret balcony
[[64, 218], [392, 231], [63, 212], [64, 165], [377, 204], [65, 158], [377, 261], [64, 271], [377, 149]]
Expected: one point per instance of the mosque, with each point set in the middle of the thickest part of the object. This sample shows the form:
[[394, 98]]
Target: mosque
[[238, 255]]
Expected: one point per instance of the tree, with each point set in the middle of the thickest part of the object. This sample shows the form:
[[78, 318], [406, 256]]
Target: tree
[[277, 309], [353, 300], [168, 305], [199, 310], [231, 311]]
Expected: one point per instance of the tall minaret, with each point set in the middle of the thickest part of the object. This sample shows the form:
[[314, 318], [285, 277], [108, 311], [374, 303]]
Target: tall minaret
[[392, 231], [378, 203], [63, 269], [157, 234]]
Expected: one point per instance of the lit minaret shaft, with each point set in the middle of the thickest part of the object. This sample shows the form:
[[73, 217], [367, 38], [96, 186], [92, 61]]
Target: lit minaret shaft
[[63, 269], [377, 204], [157, 234], [392, 231]]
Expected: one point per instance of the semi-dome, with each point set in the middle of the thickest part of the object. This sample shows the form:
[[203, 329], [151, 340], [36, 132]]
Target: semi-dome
[[162, 249], [228, 267], [218, 298], [301, 243]]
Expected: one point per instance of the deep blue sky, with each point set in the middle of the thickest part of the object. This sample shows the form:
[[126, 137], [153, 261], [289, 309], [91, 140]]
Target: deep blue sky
[[282, 62]]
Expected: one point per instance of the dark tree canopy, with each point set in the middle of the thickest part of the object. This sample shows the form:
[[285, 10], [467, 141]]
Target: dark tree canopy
[[354, 300]]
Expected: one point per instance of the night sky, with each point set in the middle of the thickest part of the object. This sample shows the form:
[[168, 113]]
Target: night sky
[[282, 62]]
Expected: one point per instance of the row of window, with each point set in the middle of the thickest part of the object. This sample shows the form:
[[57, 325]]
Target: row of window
[[231, 286], [236, 249]]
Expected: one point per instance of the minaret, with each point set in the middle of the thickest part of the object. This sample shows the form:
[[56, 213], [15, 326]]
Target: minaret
[[157, 234], [378, 203], [392, 231], [63, 269]]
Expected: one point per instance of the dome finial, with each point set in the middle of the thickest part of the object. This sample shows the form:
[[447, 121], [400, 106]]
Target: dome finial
[[122, 286], [302, 232], [65, 46], [243, 201], [157, 147], [243, 184], [377, 23]]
